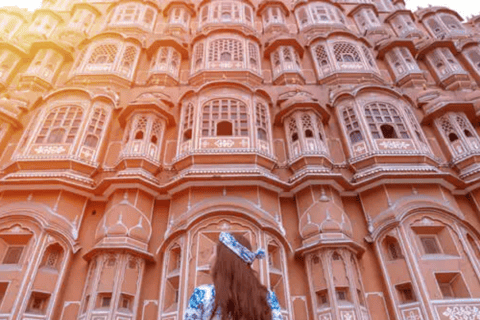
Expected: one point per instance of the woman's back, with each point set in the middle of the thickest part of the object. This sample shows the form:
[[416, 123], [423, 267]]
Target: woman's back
[[236, 293], [202, 301]]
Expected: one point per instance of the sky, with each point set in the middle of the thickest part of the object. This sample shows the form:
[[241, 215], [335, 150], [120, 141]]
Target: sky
[[466, 8]]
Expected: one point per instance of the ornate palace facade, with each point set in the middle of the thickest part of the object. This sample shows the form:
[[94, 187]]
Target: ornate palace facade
[[342, 136]]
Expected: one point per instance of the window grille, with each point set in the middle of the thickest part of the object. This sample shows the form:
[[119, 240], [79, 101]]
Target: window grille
[[52, 258], [253, 55], [188, 122], [368, 56], [351, 125], [394, 250], [346, 52], [224, 111], [261, 121], [61, 125], [416, 127], [13, 255], [451, 23], [103, 54], [437, 29], [430, 245], [225, 50], [95, 128], [474, 56], [198, 56], [293, 130], [385, 122], [321, 57], [128, 60]]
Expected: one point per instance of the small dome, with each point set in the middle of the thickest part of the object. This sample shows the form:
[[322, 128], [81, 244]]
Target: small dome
[[124, 220], [324, 216]]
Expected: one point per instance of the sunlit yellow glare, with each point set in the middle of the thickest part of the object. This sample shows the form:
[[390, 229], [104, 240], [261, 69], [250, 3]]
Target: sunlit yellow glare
[[31, 5]]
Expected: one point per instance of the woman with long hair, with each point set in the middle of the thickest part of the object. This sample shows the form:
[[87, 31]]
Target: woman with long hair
[[236, 292]]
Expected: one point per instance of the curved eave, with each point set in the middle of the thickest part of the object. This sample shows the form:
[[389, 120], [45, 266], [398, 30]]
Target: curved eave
[[65, 52], [328, 242], [358, 90], [91, 95], [111, 34], [398, 13], [225, 84], [49, 12], [116, 248], [360, 7], [393, 43], [10, 118], [23, 14], [149, 2], [339, 33], [423, 13], [283, 41], [266, 3], [439, 108], [298, 105], [155, 106], [13, 48], [225, 29], [184, 3], [203, 2], [436, 44], [84, 5], [302, 2], [166, 41]]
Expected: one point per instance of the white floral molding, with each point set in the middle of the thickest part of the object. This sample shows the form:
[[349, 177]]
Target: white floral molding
[[50, 150], [462, 313]]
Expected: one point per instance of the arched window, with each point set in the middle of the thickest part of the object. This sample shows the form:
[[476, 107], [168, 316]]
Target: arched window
[[443, 63], [45, 64], [52, 257], [227, 12], [458, 133], [401, 62], [60, 126], [273, 16], [435, 27], [93, 134], [224, 114], [134, 14], [385, 122], [318, 14]]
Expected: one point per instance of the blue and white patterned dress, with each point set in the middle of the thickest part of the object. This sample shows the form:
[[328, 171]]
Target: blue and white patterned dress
[[202, 301]]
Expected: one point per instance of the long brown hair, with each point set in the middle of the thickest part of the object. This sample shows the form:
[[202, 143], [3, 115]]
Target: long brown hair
[[239, 295]]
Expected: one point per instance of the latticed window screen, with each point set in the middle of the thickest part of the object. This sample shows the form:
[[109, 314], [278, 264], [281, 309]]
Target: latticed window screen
[[321, 56], [474, 56], [61, 125], [346, 52], [13, 255], [351, 125], [416, 127], [437, 29], [104, 53], [198, 56], [451, 22], [52, 258], [368, 56], [128, 59], [253, 55], [430, 245], [95, 127], [384, 121], [188, 122], [293, 130], [222, 111], [7, 61], [261, 121], [225, 50]]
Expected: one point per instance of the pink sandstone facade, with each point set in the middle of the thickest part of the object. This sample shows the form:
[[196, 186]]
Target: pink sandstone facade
[[340, 135]]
